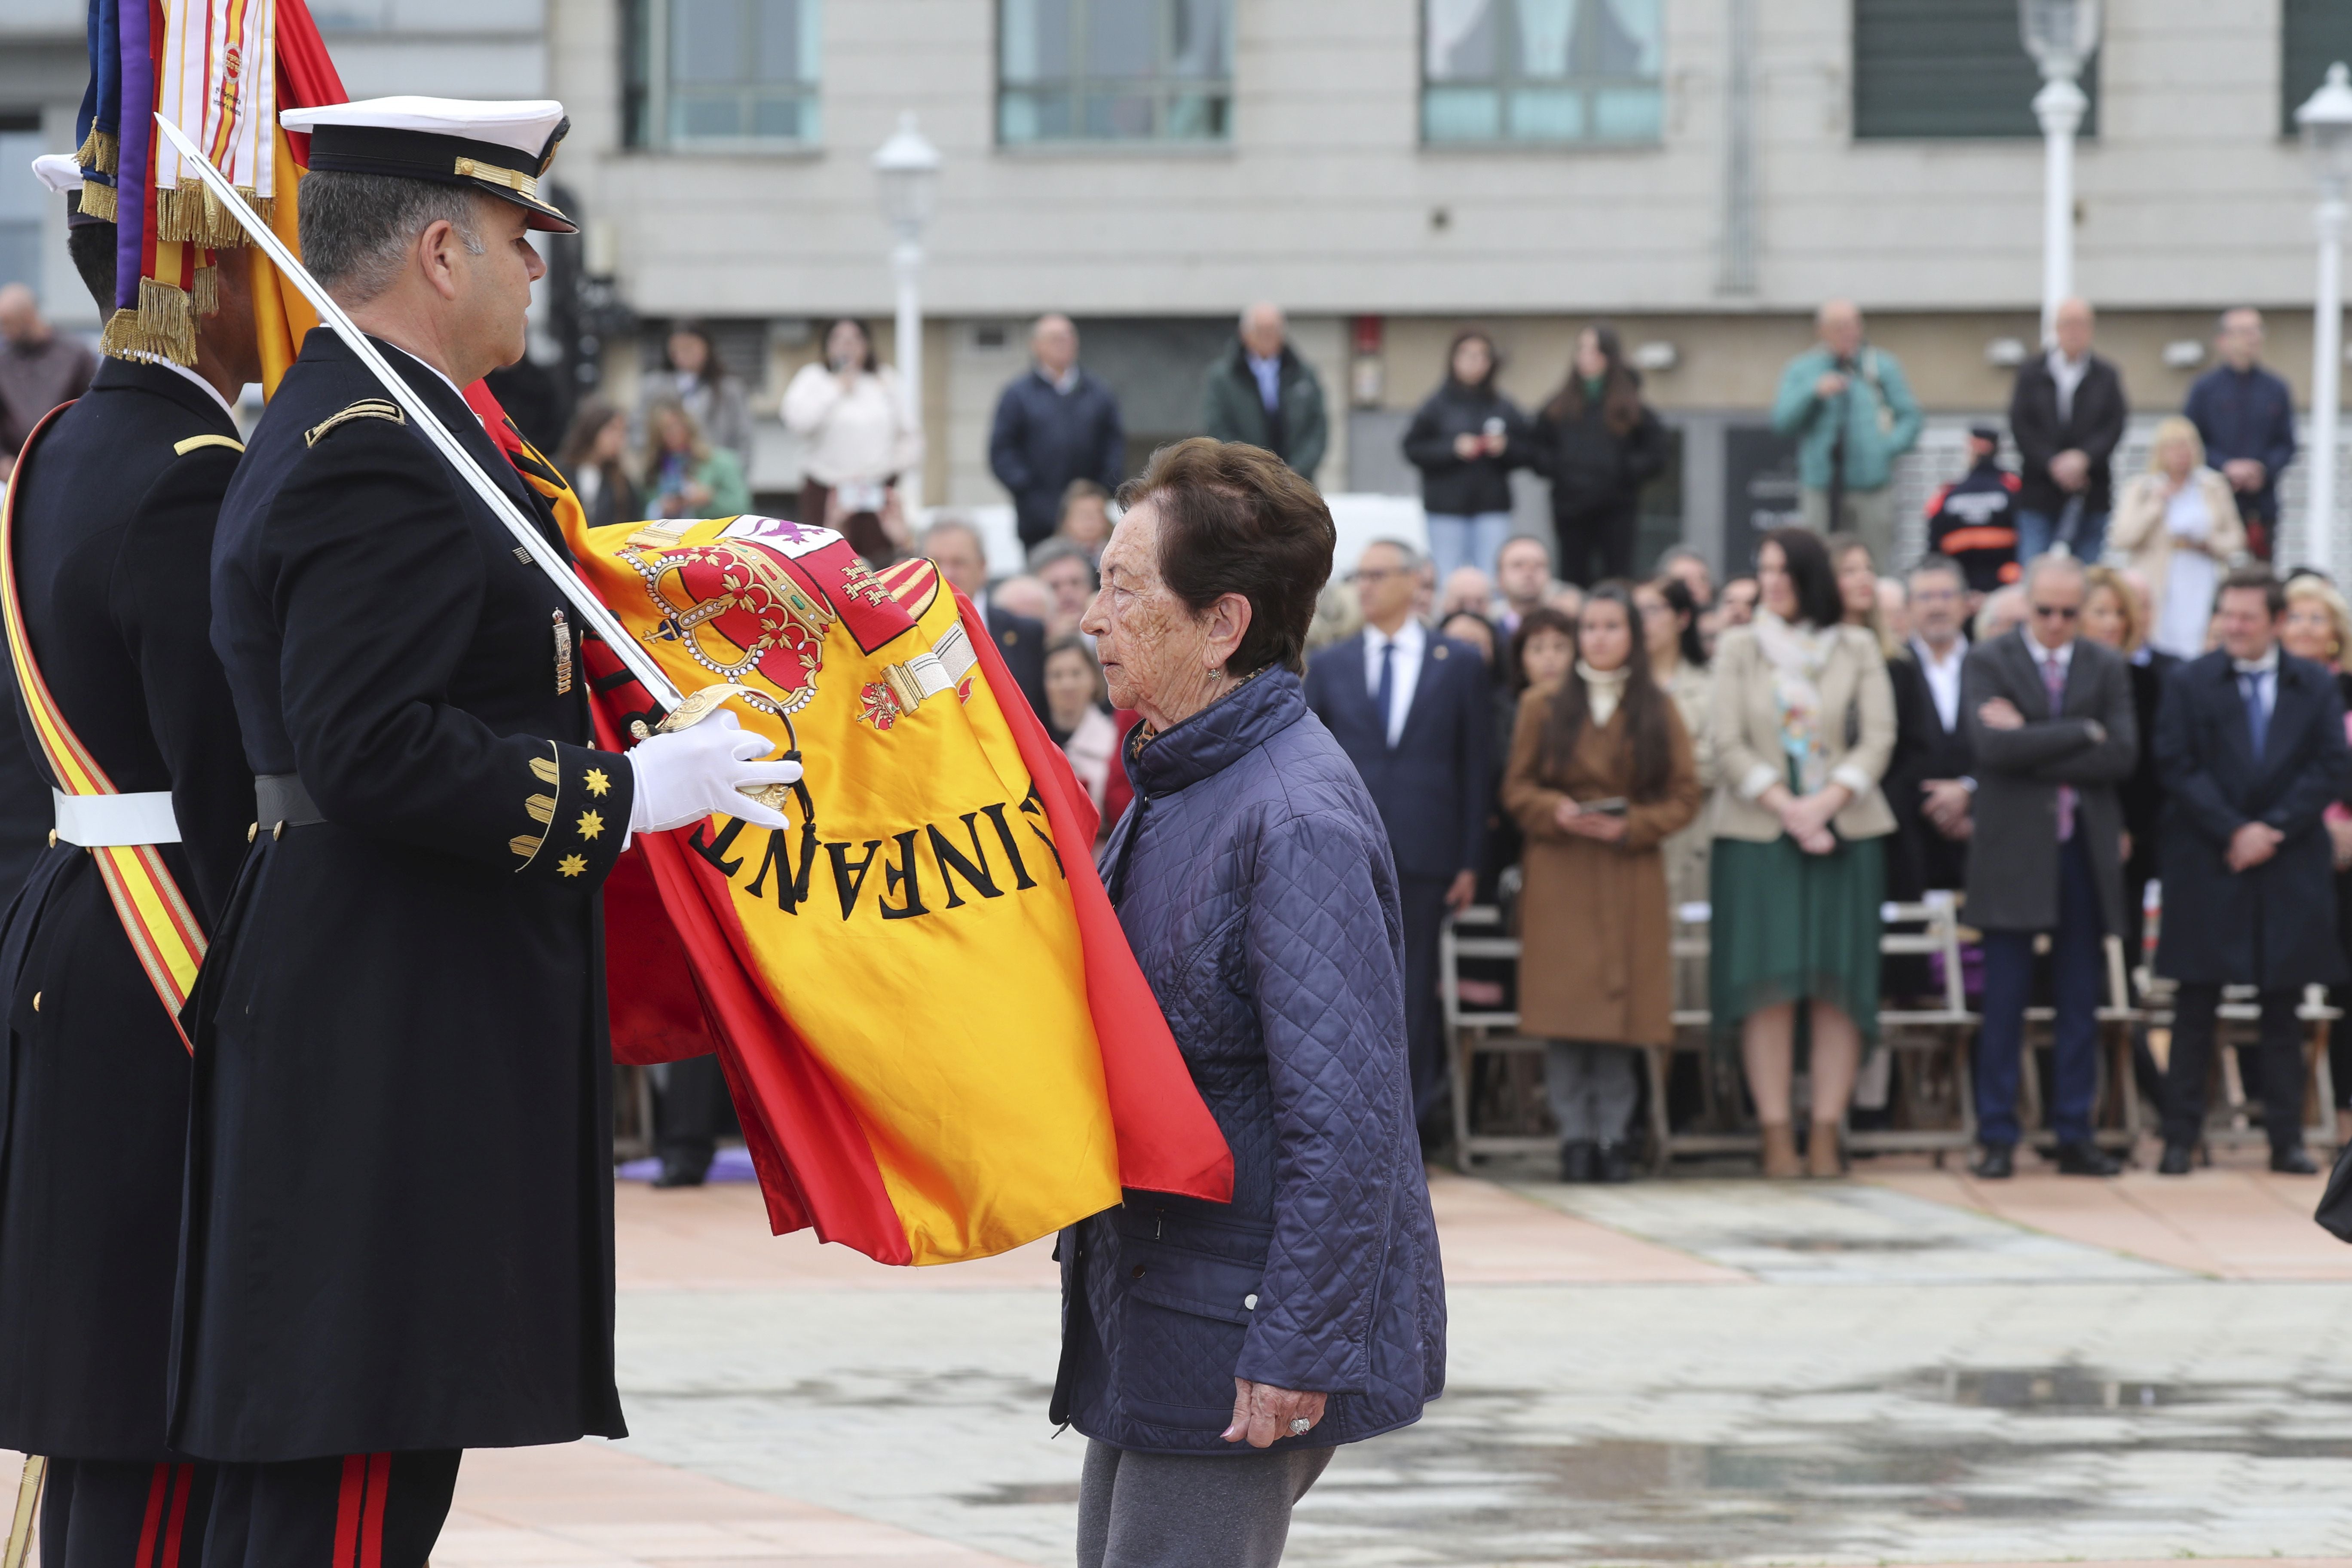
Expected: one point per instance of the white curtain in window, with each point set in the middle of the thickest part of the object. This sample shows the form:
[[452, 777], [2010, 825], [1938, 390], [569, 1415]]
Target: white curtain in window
[[1629, 41], [1198, 49], [1545, 29], [1448, 24]]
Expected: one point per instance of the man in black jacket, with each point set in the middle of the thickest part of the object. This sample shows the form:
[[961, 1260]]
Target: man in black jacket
[[1413, 713], [2250, 743], [2050, 715], [414, 962], [1931, 775], [2067, 413], [1054, 423], [110, 540], [1973, 519], [2245, 415], [1262, 394]]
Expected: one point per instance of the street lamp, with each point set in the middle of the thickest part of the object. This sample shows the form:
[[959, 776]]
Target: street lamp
[[907, 177], [2326, 121], [2060, 36]]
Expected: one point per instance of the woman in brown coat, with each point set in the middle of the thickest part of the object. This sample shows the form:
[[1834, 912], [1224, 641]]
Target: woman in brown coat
[[1601, 772]]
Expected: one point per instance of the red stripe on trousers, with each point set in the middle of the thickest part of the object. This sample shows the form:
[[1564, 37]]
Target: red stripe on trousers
[[184, 1481], [347, 1509], [159, 1486], [379, 1487]]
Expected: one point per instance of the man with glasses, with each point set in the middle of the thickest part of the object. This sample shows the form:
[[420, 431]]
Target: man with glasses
[[2051, 720], [1412, 711], [2250, 744]]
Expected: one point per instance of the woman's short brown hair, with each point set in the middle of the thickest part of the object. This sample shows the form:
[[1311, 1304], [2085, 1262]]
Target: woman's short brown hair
[[1235, 519]]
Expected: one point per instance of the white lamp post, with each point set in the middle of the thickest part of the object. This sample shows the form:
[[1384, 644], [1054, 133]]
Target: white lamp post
[[906, 175], [2060, 36], [2326, 121]]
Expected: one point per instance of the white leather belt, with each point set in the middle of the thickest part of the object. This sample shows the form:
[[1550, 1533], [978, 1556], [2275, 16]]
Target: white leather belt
[[96, 821]]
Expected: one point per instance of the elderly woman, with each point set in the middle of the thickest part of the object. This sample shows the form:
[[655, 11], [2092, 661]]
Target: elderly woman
[[1215, 1355], [2179, 524]]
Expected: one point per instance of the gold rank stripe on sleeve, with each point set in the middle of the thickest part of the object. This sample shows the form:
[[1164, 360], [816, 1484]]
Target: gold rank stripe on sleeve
[[365, 408], [197, 443], [155, 915]]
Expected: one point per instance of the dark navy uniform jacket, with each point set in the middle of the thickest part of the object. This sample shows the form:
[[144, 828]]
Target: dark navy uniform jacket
[[114, 519], [400, 1209]]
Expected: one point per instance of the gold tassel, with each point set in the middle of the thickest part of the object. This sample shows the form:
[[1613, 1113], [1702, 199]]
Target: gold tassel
[[99, 150], [163, 327], [205, 294], [190, 215], [99, 201]]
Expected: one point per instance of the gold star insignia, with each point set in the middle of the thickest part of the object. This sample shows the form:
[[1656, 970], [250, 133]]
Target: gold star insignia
[[591, 825], [571, 865], [597, 783]]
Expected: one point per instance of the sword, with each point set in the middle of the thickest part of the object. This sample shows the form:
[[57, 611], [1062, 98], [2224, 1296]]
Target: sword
[[548, 558], [28, 1498]]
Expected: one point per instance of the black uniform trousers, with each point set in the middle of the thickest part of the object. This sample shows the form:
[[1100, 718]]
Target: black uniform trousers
[[348, 1511], [1422, 903], [113, 1514], [2279, 1056], [1604, 534]]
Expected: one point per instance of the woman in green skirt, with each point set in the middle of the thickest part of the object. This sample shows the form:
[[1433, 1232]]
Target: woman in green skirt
[[1803, 725]]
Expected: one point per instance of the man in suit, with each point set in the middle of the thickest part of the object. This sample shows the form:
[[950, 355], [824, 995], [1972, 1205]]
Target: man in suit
[[110, 538], [1413, 712], [955, 547], [2067, 413], [1054, 423], [1929, 781], [2250, 743], [2245, 415], [2050, 717]]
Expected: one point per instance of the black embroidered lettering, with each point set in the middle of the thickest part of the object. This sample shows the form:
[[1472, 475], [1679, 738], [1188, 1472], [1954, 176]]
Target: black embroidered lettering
[[906, 871], [715, 851], [843, 882], [792, 894], [953, 862], [1033, 807], [1022, 880]]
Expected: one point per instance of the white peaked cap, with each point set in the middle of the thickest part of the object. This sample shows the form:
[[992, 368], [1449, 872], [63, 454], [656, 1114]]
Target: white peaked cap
[[523, 124], [59, 172]]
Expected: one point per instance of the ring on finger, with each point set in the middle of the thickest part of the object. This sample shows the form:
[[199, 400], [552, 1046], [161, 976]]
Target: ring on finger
[[1300, 1425]]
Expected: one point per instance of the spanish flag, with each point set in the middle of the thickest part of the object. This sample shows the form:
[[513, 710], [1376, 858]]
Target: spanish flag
[[939, 1042]]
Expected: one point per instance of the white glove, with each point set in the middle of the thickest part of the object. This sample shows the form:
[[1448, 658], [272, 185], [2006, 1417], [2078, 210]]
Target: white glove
[[691, 773]]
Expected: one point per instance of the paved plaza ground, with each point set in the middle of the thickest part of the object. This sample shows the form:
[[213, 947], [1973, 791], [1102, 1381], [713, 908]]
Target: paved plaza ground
[[1908, 1367]]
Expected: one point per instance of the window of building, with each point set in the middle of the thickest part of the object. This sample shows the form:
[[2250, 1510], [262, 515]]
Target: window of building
[[1936, 70], [716, 71], [1540, 70], [2313, 35], [23, 204], [1114, 70]]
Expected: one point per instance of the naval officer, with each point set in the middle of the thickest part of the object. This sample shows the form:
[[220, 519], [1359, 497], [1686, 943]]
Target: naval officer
[[399, 1235], [111, 533]]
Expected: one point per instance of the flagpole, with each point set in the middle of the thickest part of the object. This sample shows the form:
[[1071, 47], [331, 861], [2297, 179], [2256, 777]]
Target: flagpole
[[551, 561]]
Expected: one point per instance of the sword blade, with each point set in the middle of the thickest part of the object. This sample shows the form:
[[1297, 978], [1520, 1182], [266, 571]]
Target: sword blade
[[551, 561]]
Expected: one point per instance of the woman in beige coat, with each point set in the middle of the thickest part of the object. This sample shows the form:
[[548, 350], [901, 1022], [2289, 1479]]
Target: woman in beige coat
[[1601, 773], [2179, 524], [1803, 728]]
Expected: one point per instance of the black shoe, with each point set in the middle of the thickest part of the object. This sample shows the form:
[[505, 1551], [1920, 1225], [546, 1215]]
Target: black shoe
[[2176, 1161], [2294, 1160], [681, 1173], [1999, 1163], [1576, 1161], [1613, 1164], [2087, 1158]]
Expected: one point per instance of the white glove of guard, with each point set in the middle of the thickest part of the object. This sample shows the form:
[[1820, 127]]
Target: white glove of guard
[[691, 773]]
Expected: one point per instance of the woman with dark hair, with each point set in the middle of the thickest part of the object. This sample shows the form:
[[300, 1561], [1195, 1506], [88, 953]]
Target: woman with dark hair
[[1214, 1355], [595, 458], [1598, 444], [862, 437], [693, 376], [1542, 648], [1601, 772], [1678, 664], [1078, 717], [1466, 440], [1803, 728]]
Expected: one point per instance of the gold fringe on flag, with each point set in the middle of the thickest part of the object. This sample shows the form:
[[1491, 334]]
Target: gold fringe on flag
[[192, 214], [99, 151], [163, 327], [98, 201], [205, 292]]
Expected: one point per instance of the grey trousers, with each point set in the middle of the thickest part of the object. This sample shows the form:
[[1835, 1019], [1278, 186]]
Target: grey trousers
[[1190, 1510], [1868, 513], [1593, 1090]]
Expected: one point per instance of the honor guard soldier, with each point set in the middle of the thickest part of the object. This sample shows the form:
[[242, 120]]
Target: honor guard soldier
[[399, 1235], [124, 710]]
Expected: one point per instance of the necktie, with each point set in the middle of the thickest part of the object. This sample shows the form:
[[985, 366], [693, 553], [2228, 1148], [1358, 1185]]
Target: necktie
[[2258, 719], [1384, 694], [2054, 682]]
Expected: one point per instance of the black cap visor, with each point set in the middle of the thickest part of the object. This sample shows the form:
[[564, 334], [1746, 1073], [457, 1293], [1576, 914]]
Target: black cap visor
[[486, 167]]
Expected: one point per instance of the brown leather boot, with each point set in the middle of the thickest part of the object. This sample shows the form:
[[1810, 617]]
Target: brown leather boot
[[1821, 1152], [1781, 1162]]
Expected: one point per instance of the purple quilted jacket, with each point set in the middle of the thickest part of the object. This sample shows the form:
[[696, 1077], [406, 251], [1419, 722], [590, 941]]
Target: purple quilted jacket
[[1254, 881]]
